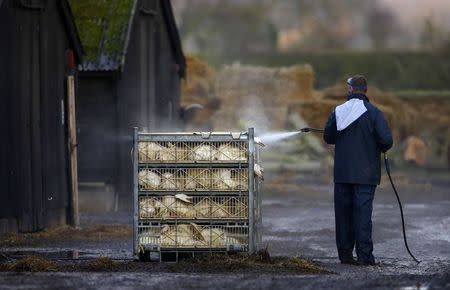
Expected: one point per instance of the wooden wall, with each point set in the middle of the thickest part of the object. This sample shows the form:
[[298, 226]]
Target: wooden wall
[[33, 171]]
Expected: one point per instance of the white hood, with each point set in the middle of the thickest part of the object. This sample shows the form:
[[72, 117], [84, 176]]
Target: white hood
[[349, 112]]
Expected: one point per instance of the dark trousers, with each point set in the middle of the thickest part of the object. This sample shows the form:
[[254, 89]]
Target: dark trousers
[[353, 215]]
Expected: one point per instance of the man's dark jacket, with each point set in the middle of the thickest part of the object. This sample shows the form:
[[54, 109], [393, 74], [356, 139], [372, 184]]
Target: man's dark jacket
[[359, 145]]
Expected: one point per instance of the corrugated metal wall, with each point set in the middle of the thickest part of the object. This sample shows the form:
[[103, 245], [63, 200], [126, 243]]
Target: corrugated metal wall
[[34, 182]]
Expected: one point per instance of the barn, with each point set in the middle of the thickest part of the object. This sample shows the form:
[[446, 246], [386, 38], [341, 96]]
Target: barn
[[129, 77], [39, 52]]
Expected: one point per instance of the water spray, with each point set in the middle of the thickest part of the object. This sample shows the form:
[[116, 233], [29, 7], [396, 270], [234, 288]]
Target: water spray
[[388, 170], [272, 137]]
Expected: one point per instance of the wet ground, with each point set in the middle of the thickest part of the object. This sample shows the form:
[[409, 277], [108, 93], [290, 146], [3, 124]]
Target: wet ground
[[297, 221]]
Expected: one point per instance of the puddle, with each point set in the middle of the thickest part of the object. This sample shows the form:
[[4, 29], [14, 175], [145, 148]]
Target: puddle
[[415, 287]]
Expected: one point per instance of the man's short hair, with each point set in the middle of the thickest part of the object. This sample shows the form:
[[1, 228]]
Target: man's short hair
[[358, 83]]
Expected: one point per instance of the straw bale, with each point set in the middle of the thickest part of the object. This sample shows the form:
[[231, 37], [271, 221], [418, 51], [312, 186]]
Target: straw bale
[[197, 67], [248, 90], [415, 150], [314, 112], [32, 264], [296, 82], [273, 85], [195, 87], [199, 81]]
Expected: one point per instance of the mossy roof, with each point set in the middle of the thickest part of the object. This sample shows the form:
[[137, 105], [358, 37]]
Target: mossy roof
[[103, 28]]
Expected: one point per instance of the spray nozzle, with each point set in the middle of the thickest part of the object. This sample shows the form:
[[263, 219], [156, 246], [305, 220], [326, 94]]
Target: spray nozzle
[[306, 130]]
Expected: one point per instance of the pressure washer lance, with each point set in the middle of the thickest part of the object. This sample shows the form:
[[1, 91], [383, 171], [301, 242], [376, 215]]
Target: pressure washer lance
[[388, 170]]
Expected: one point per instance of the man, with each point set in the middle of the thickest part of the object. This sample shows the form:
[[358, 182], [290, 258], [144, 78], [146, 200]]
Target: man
[[360, 133]]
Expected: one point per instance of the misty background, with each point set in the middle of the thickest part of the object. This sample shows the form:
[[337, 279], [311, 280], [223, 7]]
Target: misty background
[[282, 65], [335, 37], [303, 25]]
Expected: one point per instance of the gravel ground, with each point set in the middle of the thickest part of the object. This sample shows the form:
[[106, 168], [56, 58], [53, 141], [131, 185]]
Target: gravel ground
[[297, 221]]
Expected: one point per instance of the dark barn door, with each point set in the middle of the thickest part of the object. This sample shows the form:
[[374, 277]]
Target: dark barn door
[[97, 134]]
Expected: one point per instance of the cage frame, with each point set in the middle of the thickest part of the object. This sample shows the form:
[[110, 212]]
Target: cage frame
[[252, 192]]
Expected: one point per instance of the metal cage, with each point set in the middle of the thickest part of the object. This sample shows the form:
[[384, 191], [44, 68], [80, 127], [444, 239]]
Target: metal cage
[[185, 236], [193, 207], [193, 179], [192, 152], [195, 192]]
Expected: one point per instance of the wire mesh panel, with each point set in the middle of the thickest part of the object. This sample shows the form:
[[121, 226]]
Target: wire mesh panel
[[192, 235], [181, 206], [193, 179], [192, 152]]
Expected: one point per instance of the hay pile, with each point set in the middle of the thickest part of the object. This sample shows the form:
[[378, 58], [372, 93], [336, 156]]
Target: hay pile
[[198, 88], [231, 98], [100, 264], [31, 264], [260, 96], [276, 98], [260, 262], [433, 119], [65, 233]]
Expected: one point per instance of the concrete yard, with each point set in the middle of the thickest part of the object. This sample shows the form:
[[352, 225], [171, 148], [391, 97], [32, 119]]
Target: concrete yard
[[298, 220]]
